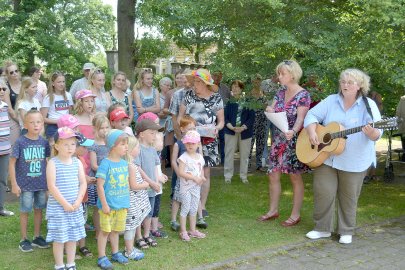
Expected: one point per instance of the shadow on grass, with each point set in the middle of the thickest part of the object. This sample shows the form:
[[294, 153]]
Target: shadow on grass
[[233, 230]]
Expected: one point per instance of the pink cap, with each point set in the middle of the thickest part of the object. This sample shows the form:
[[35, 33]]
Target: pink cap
[[84, 93], [191, 136], [147, 115], [118, 114], [67, 120]]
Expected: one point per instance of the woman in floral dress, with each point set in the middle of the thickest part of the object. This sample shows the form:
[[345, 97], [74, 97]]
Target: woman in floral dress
[[295, 101], [205, 105]]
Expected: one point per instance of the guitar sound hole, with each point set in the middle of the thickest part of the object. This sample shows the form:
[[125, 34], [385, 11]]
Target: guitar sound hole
[[326, 138]]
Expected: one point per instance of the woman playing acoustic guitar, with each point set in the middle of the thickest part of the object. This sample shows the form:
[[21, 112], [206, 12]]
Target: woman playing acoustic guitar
[[341, 176]]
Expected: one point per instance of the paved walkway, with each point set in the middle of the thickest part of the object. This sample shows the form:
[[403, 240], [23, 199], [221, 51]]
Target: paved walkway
[[378, 246]]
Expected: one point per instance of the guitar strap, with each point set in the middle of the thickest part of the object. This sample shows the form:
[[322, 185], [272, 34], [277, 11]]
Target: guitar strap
[[368, 107]]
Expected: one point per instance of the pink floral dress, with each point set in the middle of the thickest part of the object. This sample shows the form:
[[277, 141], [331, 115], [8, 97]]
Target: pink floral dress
[[282, 156]]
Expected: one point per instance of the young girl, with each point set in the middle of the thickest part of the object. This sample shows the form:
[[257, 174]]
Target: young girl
[[139, 203], [5, 147], [145, 96], [191, 177], [118, 93], [85, 109], [97, 153], [26, 99], [58, 102], [96, 85], [67, 186]]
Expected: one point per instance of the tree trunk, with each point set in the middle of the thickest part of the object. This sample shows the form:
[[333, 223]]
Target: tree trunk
[[126, 37]]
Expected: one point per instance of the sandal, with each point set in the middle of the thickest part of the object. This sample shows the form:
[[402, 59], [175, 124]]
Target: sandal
[[150, 241], [291, 222], [104, 263], [197, 234], [85, 252], [140, 243], [184, 236]]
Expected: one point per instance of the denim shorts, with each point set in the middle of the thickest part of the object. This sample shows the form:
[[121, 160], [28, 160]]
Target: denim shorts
[[32, 198], [152, 205]]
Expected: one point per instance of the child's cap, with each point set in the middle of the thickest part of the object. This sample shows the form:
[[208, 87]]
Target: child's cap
[[191, 136], [84, 93], [65, 133], [83, 141], [113, 136], [67, 120], [147, 124], [147, 115], [118, 114]]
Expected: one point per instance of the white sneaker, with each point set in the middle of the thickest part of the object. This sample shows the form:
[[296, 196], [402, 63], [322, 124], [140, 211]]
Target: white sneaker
[[345, 239], [317, 235], [244, 180], [228, 180]]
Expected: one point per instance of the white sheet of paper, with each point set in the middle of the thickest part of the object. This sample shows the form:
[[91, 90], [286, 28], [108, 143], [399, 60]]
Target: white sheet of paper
[[279, 120]]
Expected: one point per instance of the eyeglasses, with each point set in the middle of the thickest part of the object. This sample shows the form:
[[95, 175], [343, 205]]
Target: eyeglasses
[[13, 71], [3, 89], [343, 82], [287, 62], [96, 71]]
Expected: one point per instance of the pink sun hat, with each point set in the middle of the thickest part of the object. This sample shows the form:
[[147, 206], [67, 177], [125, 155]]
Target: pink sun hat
[[67, 120], [84, 93], [191, 136], [147, 115]]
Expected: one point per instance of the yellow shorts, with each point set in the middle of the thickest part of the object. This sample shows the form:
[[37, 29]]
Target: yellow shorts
[[114, 221]]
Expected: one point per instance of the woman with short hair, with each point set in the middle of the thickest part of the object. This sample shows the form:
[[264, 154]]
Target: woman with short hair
[[339, 178]]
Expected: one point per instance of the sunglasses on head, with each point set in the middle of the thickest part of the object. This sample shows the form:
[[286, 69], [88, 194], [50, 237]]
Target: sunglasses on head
[[3, 89], [13, 71], [287, 62]]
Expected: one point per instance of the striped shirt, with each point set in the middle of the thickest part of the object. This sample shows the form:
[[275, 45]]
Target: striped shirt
[[5, 146]]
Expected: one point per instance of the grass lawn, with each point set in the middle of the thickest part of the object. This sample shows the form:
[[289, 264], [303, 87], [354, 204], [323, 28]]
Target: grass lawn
[[233, 230]]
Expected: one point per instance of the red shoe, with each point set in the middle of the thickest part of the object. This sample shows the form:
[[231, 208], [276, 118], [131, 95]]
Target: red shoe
[[291, 222], [267, 217]]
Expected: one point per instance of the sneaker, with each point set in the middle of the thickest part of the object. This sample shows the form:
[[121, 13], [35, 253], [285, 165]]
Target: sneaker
[[60, 268], [159, 234], [119, 258], [345, 239], [244, 180], [201, 223], [135, 254], [6, 213], [72, 267], [317, 235], [205, 213], [228, 180], [175, 226], [197, 234], [40, 242], [25, 246]]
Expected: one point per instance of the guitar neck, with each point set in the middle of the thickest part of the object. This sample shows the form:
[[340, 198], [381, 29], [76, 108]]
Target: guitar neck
[[344, 133]]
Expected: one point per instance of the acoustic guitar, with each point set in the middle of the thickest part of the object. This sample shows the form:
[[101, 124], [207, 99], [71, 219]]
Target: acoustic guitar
[[332, 138]]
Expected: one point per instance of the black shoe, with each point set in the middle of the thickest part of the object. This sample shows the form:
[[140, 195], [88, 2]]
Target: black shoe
[[367, 180]]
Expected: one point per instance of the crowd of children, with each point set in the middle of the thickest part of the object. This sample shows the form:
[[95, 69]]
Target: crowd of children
[[94, 161]]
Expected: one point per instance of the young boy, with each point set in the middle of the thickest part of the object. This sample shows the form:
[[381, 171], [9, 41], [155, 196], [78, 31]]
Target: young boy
[[113, 198], [28, 178], [120, 120], [148, 159]]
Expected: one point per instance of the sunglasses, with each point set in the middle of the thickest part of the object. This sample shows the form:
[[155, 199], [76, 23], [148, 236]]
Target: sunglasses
[[3, 89], [13, 71], [287, 62]]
